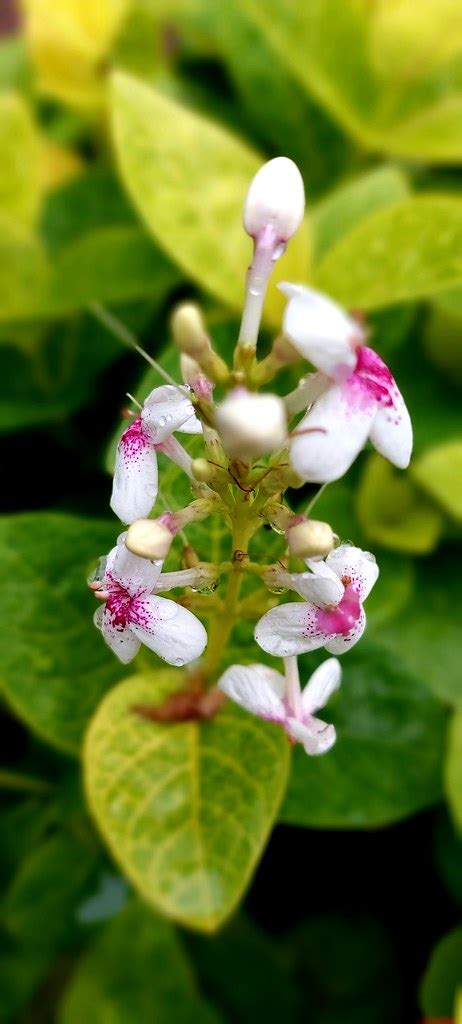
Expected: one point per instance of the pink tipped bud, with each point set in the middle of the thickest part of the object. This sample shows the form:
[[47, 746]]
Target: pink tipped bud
[[251, 425], [149, 539], [276, 198]]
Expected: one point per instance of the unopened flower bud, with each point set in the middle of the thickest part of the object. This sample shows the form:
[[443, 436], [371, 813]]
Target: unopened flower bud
[[189, 331], [203, 471], [148, 539], [276, 198], [251, 425], [310, 539]]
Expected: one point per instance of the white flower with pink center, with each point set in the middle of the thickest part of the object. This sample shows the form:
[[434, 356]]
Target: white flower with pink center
[[332, 616], [135, 484], [132, 614], [354, 394], [268, 694]]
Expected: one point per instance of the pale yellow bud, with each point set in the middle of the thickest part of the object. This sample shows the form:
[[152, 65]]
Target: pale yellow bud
[[189, 331], [203, 471], [148, 539], [310, 539]]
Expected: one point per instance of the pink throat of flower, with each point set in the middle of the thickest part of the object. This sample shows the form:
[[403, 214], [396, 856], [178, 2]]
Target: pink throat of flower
[[343, 618], [373, 377], [134, 440]]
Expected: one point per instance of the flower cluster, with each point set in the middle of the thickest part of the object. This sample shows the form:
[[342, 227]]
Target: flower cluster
[[254, 446]]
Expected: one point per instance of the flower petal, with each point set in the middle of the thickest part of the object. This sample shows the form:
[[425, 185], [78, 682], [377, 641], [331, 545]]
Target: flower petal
[[136, 575], [317, 737], [320, 590], [321, 331], [321, 685], [391, 432], [360, 566], [172, 632], [256, 688], [121, 640], [340, 420], [134, 488], [167, 409], [290, 629], [341, 642]]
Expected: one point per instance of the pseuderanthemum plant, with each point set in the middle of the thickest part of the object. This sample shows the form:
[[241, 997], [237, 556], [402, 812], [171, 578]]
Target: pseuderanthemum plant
[[254, 450]]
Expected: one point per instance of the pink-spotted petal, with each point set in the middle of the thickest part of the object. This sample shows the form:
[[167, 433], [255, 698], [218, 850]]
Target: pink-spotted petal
[[391, 432], [322, 684], [168, 409], [120, 639], [341, 642], [321, 331], [256, 688], [172, 632], [135, 484], [290, 629], [316, 736], [137, 575], [359, 566], [327, 440]]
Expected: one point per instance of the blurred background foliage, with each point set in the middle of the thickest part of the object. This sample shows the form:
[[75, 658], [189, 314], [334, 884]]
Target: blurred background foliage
[[129, 130]]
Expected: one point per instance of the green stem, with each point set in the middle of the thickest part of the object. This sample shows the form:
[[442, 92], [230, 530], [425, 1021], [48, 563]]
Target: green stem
[[221, 626], [24, 783]]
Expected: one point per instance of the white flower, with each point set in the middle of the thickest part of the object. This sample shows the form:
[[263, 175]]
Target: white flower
[[276, 198], [132, 614], [250, 425], [332, 616], [358, 397], [266, 693], [135, 484]]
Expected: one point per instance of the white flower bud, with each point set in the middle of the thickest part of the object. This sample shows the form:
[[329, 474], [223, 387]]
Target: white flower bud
[[251, 425], [148, 539], [276, 198], [310, 539], [189, 331]]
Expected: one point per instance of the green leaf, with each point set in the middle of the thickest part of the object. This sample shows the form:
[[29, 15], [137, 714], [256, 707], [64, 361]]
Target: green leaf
[[324, 43], [362, 270], [429, 645], [55, 666], [453, 769], [439, 473], [39, 906], [393, 513], [351, 203], [20, 190], [21, 972], [135, 971], [188, 178], [443, 976], [386, 763], [23, 270], [260, 967], [186, 809], [114, 264]]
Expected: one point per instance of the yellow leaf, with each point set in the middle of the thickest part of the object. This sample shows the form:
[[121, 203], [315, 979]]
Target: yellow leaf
[[68, 41]]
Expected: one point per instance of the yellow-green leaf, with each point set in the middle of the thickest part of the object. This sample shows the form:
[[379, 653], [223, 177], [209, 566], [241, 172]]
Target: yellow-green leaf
[[404, 252], [439, 473], [187, 808], [393, 513], [346, 206], [23, 270], [188, 178], [20, 148]]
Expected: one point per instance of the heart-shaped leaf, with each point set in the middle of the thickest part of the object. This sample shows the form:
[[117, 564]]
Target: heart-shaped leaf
[[186, 808]]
